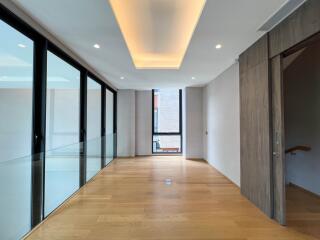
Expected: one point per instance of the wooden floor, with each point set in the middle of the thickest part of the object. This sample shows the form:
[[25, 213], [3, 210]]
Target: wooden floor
[[303, 211], [130, 200]]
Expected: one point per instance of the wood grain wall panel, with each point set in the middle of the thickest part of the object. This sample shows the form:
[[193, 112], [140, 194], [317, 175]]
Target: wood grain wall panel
[[300, 25], [255, 125]]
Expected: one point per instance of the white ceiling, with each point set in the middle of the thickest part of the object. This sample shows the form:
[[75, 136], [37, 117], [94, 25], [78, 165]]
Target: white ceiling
[[79, 24]]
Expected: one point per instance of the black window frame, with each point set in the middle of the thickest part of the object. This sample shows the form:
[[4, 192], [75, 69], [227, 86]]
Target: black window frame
[[41, 46], [154, 133]]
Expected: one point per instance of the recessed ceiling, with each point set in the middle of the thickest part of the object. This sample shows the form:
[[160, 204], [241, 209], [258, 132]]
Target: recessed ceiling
[[157, 32], [80, 24]]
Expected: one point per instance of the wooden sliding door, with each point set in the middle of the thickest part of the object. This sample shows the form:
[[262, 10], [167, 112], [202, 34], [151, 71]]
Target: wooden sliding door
[[255, 147]]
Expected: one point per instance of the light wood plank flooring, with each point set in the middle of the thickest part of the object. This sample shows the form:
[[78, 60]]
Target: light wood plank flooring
[[129, 200], [303, 211]]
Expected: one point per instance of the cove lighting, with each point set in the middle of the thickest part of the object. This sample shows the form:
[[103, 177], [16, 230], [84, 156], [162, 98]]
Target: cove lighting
[[157, 32]]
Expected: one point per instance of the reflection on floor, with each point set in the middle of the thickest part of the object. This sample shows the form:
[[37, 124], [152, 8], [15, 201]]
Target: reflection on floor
[[131, 200], [303, 211]]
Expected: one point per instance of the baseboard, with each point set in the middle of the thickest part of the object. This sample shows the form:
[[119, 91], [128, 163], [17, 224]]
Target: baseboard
[[197, 159], [167, 155], [235, 184]]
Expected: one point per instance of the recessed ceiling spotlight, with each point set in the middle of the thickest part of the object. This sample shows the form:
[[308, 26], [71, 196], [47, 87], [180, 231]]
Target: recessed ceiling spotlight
[[193, 78], [96, 46], [21, 45], [121, 78], [218, 46]]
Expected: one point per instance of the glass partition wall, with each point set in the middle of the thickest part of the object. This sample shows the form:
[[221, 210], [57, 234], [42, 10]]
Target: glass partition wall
[[93, 128], [56, 129], [16, 90], [62, 129], [109, 127]]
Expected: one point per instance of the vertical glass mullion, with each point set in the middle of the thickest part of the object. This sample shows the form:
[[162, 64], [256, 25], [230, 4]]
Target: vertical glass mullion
[[38, 130], [115, 124], [103, 126], [180, 120], [83, 128], [152, 119]]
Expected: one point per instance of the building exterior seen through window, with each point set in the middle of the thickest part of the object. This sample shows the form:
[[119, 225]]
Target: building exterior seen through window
[[167, 121]]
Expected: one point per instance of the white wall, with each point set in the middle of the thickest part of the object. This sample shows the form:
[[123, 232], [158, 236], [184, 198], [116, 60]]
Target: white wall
[[222, 122], [302, 118], [135, 137], [193, 118], [134, 123], [126, 123], [143, 122]]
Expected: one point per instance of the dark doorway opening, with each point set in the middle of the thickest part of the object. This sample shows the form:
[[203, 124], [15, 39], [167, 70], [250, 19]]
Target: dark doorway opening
[[301, 111]]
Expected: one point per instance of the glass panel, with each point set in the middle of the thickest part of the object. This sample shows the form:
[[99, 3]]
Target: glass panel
[[16, 80], [109, 127], [61, 175], [167, 144], [109, 148], [166, 111], [93, 128], [62, 129]]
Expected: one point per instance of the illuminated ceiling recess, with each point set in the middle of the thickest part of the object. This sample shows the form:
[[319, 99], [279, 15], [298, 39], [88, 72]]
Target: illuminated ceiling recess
[[157, 32]]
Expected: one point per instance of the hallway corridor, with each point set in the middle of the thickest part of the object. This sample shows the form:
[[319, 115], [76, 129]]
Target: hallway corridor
[[163, 198]]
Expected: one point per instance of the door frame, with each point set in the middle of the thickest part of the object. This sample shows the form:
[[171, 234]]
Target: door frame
[[278, 140], [278, 128]]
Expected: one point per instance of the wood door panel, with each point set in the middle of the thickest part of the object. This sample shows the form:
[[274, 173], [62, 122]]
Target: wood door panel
[[255, 125]]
